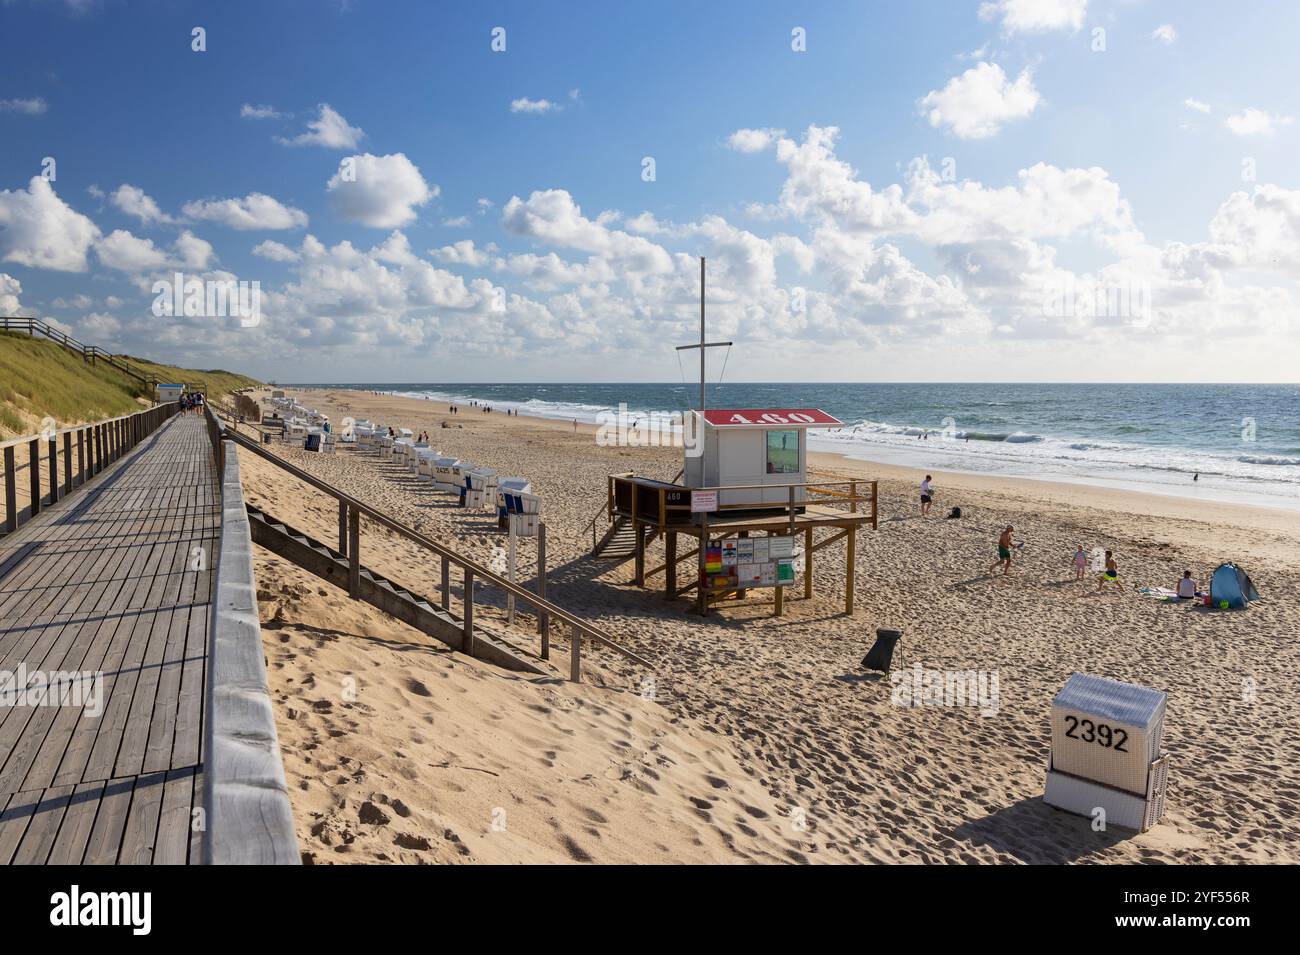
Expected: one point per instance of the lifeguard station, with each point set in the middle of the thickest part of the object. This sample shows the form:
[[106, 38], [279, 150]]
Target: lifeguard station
[[746, 500]]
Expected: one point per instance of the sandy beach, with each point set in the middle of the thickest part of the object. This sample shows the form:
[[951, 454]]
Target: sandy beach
[[757, 738]]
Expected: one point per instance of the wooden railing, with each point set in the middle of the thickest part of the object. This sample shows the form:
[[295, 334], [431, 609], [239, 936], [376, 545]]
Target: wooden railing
[[350, 511], [84, 449], [671, 504]]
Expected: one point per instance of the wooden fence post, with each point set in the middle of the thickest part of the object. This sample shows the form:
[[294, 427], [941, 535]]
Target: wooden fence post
[[467, 644], [575, 654], [54, 468], [446, 584], [11, 491], [34, 463], [343, 528], [544, 618], [67, 463], [354, 552]]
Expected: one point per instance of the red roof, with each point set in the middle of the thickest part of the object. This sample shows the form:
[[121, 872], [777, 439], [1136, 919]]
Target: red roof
[[770, 418]]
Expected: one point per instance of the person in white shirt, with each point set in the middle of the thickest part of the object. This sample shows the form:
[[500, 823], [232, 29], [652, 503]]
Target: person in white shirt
[[927, 495], [1186, 586]]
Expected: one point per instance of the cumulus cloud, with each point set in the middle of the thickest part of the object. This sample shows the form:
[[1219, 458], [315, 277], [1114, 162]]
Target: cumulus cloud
[[254, 211], [1255, 122], [978, 103], [753, 140], [463, 252], [29, 107], [1165, 33], [1195, 104], [328, 129], [275, 251], [456, 222], [379, 191], [41, 231], [124, 252], [1035, 16], [10, 289], [133, 201]]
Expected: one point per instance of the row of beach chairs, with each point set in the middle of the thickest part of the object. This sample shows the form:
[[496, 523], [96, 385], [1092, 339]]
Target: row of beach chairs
[[477, 488]]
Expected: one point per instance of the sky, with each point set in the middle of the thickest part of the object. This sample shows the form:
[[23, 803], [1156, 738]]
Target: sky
[[1014, 190]]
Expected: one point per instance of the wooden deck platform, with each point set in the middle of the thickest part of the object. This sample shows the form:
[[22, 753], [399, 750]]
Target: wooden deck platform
[[115, 580]]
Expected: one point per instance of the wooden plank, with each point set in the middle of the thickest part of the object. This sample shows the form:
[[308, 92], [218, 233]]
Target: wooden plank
[[46, 819], [78, 821]]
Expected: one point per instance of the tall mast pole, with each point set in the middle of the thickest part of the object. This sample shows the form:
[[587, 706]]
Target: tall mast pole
[[701, 334]]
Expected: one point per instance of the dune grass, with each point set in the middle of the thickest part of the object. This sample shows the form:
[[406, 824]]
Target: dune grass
[[40, 379]]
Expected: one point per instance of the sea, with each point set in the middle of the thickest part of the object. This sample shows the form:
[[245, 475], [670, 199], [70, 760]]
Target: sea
[[1241, 443]]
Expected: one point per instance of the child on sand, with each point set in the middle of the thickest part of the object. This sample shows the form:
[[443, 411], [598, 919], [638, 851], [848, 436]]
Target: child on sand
[[1080, 562]]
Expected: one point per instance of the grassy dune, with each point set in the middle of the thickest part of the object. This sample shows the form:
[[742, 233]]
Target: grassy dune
[[39, 379]]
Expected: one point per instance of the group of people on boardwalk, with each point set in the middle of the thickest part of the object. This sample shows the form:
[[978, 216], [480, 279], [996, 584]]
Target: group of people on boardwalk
[[192, 401]]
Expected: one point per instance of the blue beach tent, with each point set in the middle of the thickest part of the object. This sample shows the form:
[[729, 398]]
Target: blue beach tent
[[1230, 587]]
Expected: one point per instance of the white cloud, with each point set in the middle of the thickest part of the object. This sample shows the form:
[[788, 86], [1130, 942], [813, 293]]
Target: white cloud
[[1165, 33], [275, 251], [526, 105], [1035, 16], [1192, 103], [39, 230], [383, 193], [976, 104], [1255, 122], [249, 111], [328, 129], [124, 252], [456, 222], [133, 201], [552, 216], [753, 140], [254, 211], [29, 107], [10, 289], [462, 253]]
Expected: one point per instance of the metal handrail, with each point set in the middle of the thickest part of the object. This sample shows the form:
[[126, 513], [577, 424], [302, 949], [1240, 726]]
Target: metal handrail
[[477, 570]]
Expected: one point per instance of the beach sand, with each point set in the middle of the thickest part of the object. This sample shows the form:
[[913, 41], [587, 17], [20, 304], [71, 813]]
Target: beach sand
[[762, 739]]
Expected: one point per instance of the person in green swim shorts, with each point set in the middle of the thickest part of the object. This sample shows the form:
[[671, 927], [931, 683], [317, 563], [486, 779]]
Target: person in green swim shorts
[[1004, 551]]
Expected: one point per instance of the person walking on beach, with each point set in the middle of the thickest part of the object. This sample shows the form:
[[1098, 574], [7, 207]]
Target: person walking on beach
[[1110, 575], [1080, 562], [1004, 551], [927, 495]]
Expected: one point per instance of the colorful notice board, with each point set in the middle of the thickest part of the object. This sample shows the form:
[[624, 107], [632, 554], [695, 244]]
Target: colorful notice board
[[749, 562]]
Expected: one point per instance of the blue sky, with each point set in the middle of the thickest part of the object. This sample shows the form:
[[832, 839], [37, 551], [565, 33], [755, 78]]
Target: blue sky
[[1060, 160]]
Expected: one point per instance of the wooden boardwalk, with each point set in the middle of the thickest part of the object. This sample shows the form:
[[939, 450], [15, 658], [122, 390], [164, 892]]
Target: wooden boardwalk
[[115, 580]]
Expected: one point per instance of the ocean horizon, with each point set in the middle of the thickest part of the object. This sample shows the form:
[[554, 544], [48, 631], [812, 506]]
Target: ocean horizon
[[1237, 443]]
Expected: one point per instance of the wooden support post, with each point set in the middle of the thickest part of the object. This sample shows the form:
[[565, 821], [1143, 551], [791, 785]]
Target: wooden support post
[[354, 552], [636, 537], [640, 553], [81, 454], [791, 509], [446, 584], [543, 618], [702, 591], [850, 570], [807, 563], [34, 463], [11, 491], [54, 468], [99, 447], [575, 655], [670, 567], [343, 528], [67, 463], [874, 513], [780, 601], [467, 644]]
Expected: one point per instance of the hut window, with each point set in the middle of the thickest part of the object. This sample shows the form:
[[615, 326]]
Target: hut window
[[783, 452]]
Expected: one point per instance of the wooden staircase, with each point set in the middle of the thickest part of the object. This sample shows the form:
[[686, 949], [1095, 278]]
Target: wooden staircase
[[619, 542], [420, 612]]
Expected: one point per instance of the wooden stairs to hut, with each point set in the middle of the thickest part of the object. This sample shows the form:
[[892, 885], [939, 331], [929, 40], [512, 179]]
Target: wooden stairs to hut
[[420, 612], [619, 541]]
